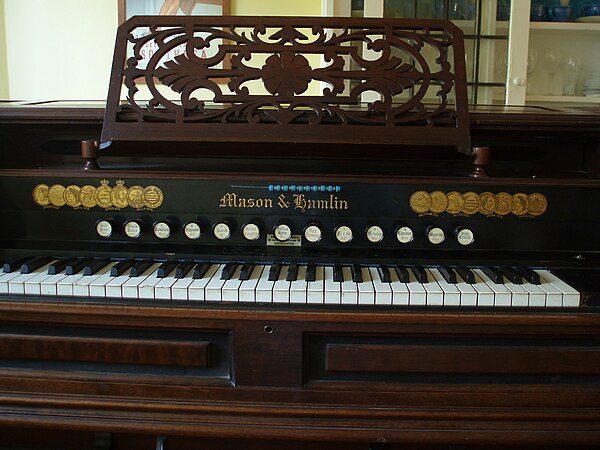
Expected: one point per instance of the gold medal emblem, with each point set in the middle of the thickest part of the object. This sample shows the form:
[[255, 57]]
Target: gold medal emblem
[[153, 197], [420, 202], [40, 194], [520, 204], [456, 202], [537, 204], [439, 202], [87, 196], [103, 195], [118, 195], [504, 203], [56, 194], [471, 205], [487, 203], [135, 197], [72, 196]]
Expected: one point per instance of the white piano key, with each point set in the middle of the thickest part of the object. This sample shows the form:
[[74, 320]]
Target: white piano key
[[299, 287], [180, 289], [114, 286], [435, 294], [82, 287], [17, 284], [537, 297], [485, 294], [468, 294], [520, 296], [5, 278], [348, 288], [231, 287], [65, 286], [197, 289], [97, 287], [366, 290], [400, 292], [162, 290], [333, 293], [48, 285], [213, 290], [502, 295], [450, 293], [131, 287], [417, 292], [383, 291], [248, 287], [264, 287], [146, 289], [316, 289], [281, 287], [570, 296]]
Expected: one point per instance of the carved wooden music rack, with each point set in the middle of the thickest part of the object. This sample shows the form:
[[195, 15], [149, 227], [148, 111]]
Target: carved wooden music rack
[[288, 80]]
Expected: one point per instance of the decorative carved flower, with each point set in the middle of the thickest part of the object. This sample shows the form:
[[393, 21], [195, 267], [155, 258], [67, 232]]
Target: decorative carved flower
[[286, 74]]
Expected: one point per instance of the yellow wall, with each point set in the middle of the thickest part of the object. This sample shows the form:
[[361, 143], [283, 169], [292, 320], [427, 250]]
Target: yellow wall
[[59, 49], [276, 7], [62, 49], [3, 66]]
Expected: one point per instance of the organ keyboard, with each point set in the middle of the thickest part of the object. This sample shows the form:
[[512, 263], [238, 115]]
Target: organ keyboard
[[335, 284], [348, 257]]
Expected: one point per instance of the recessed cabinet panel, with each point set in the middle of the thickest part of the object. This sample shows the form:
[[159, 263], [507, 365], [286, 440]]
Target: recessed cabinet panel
[[452, 360], [118, 352]]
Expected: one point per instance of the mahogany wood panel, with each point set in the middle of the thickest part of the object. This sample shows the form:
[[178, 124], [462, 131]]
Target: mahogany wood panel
[[464, 359], [95, 349]]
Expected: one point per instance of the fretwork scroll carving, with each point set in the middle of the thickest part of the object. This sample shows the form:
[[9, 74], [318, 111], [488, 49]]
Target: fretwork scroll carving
[[278, 79]]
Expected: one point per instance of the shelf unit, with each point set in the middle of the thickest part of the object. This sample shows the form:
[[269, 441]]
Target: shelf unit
[[518, 61]]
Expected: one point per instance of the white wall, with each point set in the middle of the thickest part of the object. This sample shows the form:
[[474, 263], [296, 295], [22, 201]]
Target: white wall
[[59, 49], [3, 66]]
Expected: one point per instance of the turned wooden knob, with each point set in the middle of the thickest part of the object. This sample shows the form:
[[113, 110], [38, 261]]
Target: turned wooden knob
[[89, 153], [481, 158]]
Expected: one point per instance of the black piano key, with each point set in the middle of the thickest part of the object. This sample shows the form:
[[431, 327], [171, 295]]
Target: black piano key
[[58, 266], [94, 266], [274, 272], [338, 274], [183, 269], [512, 275], [529, 274], [466, 274], [420, 273], [494, 274], [121, 267], [292, 274], [228, 271], [357, 275], [246, 271], [200, 270], [35, 264], [402, 273], [384, 274], [16, 264], [311, 273], [166, 268], [448, 274], [139, 267], [76, 265]]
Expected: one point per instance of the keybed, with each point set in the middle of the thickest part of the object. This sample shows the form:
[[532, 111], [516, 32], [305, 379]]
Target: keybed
[[283, 283]]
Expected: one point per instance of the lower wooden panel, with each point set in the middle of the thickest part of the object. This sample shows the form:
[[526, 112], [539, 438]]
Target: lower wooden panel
[[302, 376]]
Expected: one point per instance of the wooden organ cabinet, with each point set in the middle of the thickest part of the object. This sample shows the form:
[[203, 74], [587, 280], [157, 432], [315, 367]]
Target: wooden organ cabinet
[[304, 239]]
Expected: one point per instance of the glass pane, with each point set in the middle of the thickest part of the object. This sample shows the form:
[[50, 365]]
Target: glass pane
[[485, 24]]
